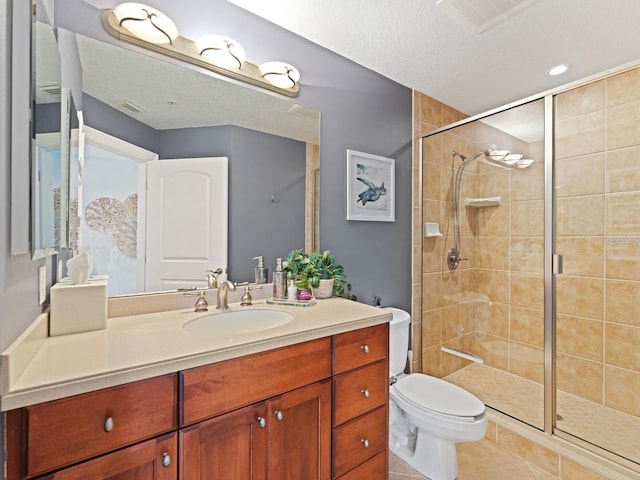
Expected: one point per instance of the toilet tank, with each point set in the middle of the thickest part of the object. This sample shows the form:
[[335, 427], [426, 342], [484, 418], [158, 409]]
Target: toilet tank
[[398, 340]]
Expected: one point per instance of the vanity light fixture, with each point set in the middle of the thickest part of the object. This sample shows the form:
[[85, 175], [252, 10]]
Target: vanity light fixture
[[146, 23], [221, 51], [280, 74], [146, 27]]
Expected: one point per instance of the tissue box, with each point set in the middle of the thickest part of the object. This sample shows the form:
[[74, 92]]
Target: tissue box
[[78, 308]]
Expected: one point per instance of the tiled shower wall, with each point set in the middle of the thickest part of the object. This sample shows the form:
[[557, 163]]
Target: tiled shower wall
[[598, 221], [497, 296]]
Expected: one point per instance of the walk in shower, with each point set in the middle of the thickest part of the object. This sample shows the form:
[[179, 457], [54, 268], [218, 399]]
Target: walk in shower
[[537, 273]]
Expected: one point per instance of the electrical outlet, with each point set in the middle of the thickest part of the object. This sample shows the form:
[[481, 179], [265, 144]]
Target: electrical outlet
[[42, 284]]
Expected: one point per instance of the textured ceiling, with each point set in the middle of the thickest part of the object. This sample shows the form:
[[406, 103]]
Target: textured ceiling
[[417, 44]]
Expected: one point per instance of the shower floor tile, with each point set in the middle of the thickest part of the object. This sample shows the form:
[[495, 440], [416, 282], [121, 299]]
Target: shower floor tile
[[523, 399]]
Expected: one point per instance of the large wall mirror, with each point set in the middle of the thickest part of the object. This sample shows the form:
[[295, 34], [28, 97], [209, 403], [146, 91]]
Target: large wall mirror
[[139, 108]]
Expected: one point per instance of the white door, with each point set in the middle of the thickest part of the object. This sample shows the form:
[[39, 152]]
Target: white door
[[187, 203]]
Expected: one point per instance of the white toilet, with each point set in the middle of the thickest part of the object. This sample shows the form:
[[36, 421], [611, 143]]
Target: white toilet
[[427, 415]]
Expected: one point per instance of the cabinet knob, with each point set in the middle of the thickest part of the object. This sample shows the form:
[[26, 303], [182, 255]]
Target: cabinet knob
[[108, 424], [166, 459], [365, 393], [262, 422], [278, 415], [365, 348], [364, 442]]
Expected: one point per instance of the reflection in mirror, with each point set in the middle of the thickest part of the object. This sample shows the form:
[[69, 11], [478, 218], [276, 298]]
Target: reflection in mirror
[[172, 112], [49, 150]]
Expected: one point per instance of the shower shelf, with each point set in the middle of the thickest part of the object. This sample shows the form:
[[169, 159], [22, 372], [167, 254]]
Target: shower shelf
[[482, 202], [462, 353]]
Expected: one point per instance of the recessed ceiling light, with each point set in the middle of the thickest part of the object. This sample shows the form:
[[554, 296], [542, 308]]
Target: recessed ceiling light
[[558, 69]]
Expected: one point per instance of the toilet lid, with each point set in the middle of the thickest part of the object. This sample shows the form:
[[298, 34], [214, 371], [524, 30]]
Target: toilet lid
[[440, 396]]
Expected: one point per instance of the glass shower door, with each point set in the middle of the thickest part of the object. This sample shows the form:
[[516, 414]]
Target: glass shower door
[[597, 203]]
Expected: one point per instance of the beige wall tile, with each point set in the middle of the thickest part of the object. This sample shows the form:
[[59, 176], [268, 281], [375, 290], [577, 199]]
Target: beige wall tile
[[493, 350], [431, 110], [580, 216], [450, 142], [494, 221], [623, 125], [574, 471], [432, 361], [431, 181], [581, 100], [623, 170], [580, 135], [623, 214], [492, 318], [528, 183], [451, 319], [527, 218], [495, 184], [493, 252], [581, 337], [432, 328], [621, 390], [527, 254], [580, 296], [451, 287], [582, 256], [432, 255], [451, 115], [432, 149], [623, 302], [580, 377], [623, 258], [432, 291], [624, 87], [493, 284], [582, 175], [527, 289], [527, 325], [622, 346], [526, 361], [529, 450]]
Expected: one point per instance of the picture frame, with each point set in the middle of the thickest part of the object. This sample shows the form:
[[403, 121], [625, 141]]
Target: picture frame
[[370, 187]]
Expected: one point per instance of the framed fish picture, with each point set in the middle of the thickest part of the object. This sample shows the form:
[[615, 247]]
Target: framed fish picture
[[370, 187]]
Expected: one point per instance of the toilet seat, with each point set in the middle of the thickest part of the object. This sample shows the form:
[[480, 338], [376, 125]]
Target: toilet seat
[[439, 396]]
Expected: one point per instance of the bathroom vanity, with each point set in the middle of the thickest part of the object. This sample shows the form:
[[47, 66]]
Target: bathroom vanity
[[305, 400]]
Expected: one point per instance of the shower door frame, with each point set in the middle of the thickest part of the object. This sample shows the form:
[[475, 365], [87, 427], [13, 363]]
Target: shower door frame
[[552, 260]]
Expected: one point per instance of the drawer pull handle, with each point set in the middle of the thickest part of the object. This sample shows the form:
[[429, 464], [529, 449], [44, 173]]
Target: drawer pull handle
[[365, 393], [262, 422], [108, 424], [166, 460], [365, 442], [278, 415], [365, 348]]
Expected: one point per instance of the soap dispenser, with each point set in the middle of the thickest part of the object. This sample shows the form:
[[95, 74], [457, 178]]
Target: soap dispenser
[[261, 271], [279, 281]]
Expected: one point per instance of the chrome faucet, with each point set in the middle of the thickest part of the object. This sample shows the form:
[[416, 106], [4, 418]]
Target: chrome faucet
[[223, 291]]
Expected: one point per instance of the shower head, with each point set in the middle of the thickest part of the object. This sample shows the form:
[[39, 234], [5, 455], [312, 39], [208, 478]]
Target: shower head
[[456, 154]]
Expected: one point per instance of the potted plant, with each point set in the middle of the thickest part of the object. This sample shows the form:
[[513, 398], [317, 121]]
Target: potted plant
[[312, 270]]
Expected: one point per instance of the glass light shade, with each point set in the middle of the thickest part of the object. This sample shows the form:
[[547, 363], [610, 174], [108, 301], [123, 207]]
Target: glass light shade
[[221, 51], [146, 23], [280, 74], [512, 158], [498, 154], [525, 162]]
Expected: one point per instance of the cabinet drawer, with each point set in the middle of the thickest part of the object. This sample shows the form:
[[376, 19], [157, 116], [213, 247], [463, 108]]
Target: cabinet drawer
[[221, 387], [360, 439], [360, 347], [76, 428], [358, 391], [373, 469]]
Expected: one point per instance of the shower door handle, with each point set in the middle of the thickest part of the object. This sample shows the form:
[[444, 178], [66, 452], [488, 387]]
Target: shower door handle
[[556, 264]]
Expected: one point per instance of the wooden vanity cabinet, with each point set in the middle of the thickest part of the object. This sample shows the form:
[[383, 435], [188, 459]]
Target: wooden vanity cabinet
[[52, 435], [270, 416], [360, 404]]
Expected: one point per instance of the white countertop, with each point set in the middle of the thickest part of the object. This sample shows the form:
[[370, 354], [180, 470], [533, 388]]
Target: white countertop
[[38, 368]]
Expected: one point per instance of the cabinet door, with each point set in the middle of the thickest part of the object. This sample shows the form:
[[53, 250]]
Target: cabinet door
[[299, 427], [154, 459], [228, 447]]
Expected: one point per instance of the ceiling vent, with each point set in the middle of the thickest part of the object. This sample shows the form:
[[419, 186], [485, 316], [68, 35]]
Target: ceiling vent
[[479, 15], [132, 107]]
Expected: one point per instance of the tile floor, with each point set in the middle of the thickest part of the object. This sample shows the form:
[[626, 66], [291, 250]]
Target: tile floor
[[481, 460], [523, 399]]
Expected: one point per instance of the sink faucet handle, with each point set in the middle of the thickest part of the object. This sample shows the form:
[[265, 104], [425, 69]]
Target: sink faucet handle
[[212, 277], [246, 299], [201, 302]]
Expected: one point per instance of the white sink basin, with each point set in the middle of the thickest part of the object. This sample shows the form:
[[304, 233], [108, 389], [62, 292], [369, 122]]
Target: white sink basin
[[238, 321]]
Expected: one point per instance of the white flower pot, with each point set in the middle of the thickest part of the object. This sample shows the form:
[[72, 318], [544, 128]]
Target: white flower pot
[[325, 289]]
